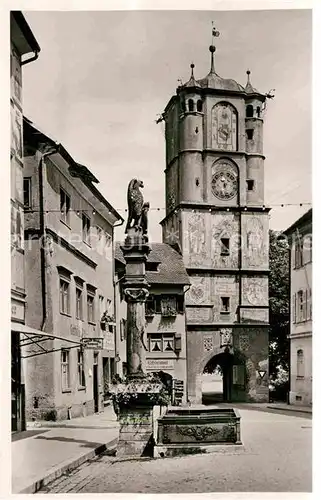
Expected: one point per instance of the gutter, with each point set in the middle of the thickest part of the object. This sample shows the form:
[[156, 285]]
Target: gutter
[[31, 59], [42, 236]]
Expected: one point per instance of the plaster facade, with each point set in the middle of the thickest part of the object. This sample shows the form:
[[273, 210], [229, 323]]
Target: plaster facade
[[300, 239], [22, 42], [69, 283]]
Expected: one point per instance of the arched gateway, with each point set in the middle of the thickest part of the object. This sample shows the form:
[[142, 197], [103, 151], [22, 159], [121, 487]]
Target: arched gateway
[[244, 364]]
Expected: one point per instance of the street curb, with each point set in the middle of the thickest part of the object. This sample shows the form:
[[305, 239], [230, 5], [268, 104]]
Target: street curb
[[55, 425], [67, 466], [293, 409]]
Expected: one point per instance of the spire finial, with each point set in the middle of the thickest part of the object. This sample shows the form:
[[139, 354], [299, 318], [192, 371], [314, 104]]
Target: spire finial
[[192, 68], [212, 48], [248, 75]]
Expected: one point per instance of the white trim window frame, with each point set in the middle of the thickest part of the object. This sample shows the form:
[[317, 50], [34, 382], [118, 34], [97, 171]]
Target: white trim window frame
[[64, 207], [79, 303], [161, 342], [90, 306], [64, 295], [65, 369], [301, 304]]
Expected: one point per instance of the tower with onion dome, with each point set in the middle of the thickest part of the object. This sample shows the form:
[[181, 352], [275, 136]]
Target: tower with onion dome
[[216, 217]]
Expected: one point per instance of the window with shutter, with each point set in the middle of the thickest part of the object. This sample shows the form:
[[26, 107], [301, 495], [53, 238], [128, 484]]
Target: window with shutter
[[308, 304], [294, 308], [300, 364], [304, 305], [300, 306]]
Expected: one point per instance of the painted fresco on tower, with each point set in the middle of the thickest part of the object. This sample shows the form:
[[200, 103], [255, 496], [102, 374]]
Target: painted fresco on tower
[[199, 292], [199, 314], [224, 127], [254, 315], [224, 242], [255, 244], [255, 290], [196, 233]]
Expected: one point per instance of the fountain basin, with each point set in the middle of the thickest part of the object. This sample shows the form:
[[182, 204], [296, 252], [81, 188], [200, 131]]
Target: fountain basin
[[184, 430]]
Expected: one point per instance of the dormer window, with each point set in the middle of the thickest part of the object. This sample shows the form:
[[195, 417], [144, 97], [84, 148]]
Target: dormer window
[[152, 266]]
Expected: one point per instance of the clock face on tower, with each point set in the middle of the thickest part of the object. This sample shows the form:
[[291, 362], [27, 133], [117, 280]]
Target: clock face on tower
[[224, 182]]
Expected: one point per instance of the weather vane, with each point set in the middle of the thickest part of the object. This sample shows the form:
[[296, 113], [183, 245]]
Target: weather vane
[[215, 32]]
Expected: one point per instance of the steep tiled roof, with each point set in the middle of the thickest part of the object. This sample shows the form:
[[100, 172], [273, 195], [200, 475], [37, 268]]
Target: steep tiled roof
[[171, 269]]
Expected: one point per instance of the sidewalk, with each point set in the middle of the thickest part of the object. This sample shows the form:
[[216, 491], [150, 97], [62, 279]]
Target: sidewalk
[[286, 407], [45, 451], [272, 406]]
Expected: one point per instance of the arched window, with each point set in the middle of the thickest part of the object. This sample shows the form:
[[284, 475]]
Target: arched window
[[258, 111], [300, 363], [249, 111], [199, 106], [190, 105]]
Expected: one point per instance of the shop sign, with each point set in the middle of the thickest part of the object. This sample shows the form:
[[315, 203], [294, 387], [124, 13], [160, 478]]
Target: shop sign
[[92, 343], [159, 364], [17, 310]]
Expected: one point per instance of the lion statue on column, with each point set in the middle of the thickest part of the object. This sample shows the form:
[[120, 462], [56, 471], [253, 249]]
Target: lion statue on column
[[137, 209]]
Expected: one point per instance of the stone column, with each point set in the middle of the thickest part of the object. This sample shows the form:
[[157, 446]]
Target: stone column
[[135, 287], [137, 397]]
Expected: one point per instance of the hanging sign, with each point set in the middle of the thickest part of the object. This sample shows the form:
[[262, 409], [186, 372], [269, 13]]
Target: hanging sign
[[92, 343]]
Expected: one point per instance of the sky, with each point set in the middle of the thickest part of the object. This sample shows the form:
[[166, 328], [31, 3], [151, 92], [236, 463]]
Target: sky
[[102, 78]]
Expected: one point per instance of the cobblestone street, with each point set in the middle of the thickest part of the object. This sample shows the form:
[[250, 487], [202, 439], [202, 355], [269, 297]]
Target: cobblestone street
[[276, 457]]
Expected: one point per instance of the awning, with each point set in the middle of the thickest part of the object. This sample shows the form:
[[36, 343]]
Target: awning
[[34, 337]]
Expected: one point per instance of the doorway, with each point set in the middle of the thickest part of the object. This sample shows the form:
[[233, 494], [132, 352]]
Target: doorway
[[217, 379], [96, 383]]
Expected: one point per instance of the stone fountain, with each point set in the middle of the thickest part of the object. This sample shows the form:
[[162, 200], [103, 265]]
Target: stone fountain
[[181, 430], [136, 398]]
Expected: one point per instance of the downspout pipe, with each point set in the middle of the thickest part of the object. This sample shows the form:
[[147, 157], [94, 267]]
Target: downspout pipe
[[42, 235], [31, 59]]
